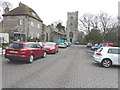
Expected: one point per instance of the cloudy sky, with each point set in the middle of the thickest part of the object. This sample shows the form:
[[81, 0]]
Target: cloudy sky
[[53, 10]]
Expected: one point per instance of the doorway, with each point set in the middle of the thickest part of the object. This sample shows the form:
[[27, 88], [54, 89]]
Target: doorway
[[71, 40]]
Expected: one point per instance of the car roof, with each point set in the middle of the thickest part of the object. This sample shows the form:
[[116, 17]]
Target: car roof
[[111, 47], [25, 42]]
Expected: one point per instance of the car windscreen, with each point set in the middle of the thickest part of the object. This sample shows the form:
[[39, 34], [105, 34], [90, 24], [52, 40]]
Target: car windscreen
[[49, 44], [16, 45]]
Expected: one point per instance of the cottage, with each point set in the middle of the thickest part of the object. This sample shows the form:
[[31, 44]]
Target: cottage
[[22, 23]]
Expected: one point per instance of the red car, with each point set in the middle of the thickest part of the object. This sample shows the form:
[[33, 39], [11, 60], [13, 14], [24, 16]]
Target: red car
[[24, 51], [51, 47]]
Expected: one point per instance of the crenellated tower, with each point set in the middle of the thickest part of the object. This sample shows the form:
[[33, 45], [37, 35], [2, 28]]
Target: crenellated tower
[[72, 26]]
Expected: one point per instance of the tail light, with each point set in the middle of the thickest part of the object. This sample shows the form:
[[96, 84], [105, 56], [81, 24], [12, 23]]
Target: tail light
[[6, 51], [99, 54]]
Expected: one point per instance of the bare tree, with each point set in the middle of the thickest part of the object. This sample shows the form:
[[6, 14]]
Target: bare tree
[[56, 23], [106, 23], [95, 22], [85, 22], [3, 5]]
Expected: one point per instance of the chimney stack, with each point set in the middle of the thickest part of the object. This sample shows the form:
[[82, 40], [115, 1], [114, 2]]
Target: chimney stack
[[7, 9]]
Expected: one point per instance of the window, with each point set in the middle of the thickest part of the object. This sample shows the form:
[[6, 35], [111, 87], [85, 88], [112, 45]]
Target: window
[[33, 14], [16, 45], [114, 51], [38, 35], [31, 35], [21, 22], [33, 46], [38, 25], [38, 46], [71, 34], [30, 46], [32, 24]]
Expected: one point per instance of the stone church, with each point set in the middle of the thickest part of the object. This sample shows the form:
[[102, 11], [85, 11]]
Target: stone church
[[72, 26]]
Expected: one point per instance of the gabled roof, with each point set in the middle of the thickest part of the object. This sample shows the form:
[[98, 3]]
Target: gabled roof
[[23, 9]]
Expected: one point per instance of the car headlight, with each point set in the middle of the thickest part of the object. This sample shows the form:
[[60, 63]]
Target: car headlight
[[52, 48]]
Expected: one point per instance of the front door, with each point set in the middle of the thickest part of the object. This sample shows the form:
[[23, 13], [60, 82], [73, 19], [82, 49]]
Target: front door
[[71, 40]]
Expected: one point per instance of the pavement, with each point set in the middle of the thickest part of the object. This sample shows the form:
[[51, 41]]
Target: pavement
[[72, 67], [1, 51]]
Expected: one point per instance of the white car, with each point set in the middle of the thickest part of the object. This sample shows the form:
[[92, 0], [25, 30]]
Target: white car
[[107, 56], [62, 45], [66, 43]]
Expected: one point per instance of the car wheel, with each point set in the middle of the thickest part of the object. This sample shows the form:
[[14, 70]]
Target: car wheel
[[44, 55], [106, 63], [31, 58]]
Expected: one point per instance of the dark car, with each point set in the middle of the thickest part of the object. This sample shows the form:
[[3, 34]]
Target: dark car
[[27, 51]]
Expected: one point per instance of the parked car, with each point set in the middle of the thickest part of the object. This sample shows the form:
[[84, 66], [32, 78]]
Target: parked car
[[107, 56], [66, 43], [89, 45], [77, 43], [51, 47], [102, 45], [69, 43], [27, 51], [62, 45], [107, 44]]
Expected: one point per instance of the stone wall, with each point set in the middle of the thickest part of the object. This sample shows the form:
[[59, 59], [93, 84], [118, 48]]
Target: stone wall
[[35, 28], [23, 24]]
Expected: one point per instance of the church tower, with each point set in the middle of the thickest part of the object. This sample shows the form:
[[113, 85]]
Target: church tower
[[72, 26]]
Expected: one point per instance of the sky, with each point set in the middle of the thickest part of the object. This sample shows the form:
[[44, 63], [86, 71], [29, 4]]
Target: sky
[[51, 11]]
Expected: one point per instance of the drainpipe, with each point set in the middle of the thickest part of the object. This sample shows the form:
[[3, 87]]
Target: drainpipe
[[27, 35]]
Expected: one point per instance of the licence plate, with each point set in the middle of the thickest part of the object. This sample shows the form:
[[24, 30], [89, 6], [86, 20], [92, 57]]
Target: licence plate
[[13, 51]]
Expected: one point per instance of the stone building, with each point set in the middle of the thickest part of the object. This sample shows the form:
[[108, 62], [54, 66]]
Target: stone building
[[1, 27], [50, 33], [22, 23], [47, 33], [72, 26]]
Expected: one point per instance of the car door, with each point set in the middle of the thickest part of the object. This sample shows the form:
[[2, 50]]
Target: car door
[[40, 50], [32, 49], [113, 53]]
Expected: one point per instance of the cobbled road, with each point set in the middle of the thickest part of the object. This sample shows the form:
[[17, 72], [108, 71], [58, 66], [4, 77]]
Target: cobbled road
[[72, 67]]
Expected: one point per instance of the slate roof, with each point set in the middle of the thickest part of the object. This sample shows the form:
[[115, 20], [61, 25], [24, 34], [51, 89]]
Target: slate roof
[[23, 9]]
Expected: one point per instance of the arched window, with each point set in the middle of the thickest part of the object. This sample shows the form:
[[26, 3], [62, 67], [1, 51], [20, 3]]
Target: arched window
[[71, 34]]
